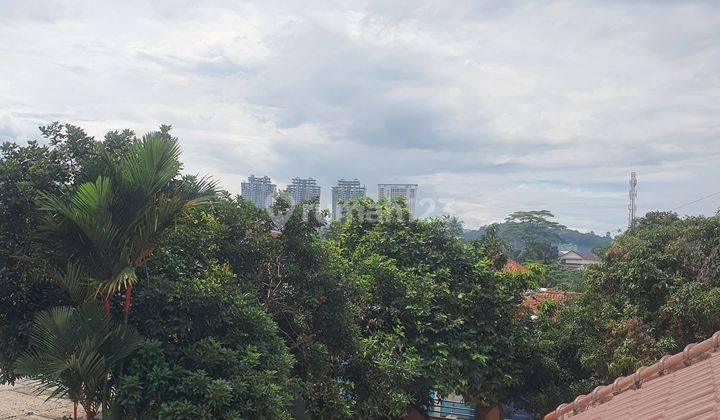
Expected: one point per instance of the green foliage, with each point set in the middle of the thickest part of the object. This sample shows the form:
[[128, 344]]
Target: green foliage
[[295, 277], [568, 279], [25, 289], [75, 352], [538, 234], [80, 154], [375, 315], [552, 370], [656, 290], [225, 360], [434, 314], [584, 242], [178, 410], [109, 226], [494, 245], [305, 288], [104, 207]]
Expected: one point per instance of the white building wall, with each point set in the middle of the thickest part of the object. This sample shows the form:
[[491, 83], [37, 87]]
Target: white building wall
[[393, 191], [259, 190]]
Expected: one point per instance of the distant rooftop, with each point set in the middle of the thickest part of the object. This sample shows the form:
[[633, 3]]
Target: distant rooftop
[[512, 265], [533, 299], [590, 256]]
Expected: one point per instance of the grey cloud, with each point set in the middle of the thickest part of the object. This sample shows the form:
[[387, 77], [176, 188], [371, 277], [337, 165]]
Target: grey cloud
[[496, 105]]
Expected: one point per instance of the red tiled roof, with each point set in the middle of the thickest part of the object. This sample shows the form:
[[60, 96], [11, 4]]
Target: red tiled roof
[[589, 256], [532, 300], [512, 265], [683, 386]]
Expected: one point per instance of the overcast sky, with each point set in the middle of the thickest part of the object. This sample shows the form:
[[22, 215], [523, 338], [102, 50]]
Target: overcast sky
[[490, 106]]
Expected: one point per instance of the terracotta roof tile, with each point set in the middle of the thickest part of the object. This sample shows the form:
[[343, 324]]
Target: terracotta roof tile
[[512, 265], [683, 386], [533, 299]]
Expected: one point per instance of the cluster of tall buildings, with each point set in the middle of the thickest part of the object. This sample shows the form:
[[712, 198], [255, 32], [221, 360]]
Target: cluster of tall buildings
[[261, 191]]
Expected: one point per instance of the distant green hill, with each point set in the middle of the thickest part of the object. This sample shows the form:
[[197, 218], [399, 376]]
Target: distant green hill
[[584, 242]]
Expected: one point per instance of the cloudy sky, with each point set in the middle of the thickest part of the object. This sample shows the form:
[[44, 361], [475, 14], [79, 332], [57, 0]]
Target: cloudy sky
[[490, 107]]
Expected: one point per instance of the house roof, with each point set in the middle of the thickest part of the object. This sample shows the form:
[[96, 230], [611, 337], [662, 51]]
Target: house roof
[[533, 299], [584, 255], [589, 256], [682, 386], [512, 265]]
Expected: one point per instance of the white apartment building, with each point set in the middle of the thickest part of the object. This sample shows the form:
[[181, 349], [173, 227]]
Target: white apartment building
[[392, 192], [260, 191], [303, 189], [343, 192]]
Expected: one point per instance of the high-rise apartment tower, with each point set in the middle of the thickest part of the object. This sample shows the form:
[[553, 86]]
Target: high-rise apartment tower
[[303, 189], [344, 192], [391, 192], [258, 190]]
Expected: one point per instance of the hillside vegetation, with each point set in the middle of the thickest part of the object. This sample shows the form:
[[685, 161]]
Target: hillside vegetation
[[584, 242]]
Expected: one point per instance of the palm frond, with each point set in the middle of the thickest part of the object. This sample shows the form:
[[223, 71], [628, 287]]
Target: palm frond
[[112, 225], [75, 281], [74, 351], [150, 165], [82, 222], [197, 191], [125, 278]]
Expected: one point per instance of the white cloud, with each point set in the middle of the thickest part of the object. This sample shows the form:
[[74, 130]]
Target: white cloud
[[497, 106]]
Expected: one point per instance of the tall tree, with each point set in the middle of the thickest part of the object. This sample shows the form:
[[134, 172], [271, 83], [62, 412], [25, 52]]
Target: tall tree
[[435, 314], [538, 234], [25, 172], [495, 246], [293, 276], [213, 351], [103, 230]]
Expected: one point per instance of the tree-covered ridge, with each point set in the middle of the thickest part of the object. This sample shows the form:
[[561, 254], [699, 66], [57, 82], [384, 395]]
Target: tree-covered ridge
[[584, 242]]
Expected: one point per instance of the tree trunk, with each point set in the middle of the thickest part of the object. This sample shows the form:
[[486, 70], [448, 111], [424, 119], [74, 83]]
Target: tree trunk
[[128, 301], [106, 306], [75, 404]]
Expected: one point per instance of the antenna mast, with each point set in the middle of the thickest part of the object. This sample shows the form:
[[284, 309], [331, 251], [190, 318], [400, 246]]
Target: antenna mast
[[632, 207]]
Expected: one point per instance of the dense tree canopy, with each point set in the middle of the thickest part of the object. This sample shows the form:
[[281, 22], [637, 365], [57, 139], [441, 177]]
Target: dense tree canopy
[[435, 313], [294, 278], [656, 290], [25, 172], [245, 313], [212, 352]]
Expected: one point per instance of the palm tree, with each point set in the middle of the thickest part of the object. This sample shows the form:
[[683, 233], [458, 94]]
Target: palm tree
[[104, 230], [74, 352]]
